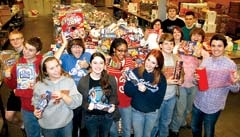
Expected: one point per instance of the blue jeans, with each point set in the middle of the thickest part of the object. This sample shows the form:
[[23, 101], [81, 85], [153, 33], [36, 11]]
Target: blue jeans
[[164, 118], [98, 125], [183, 107], [60, 132], [126, 118], [31, 124], [208, 120], [143, 123], [114, 130]]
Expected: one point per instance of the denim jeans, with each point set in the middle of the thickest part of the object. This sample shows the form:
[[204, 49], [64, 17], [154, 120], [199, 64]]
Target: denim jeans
[[143, 123], [98, 125], [183, 107], [126, 118], [60, 132], [77, 119], [200, 118], [31, 124], [164, 118], [114, 130]]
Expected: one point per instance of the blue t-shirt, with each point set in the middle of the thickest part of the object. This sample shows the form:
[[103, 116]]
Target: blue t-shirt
[[70, 64]]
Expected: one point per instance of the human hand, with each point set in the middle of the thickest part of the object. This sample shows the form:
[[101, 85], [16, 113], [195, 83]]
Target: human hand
[[141, 87], [111, 109], [91, 106], [37, 113], [234, 76], [64, 40], [7, 73], [83, 63]]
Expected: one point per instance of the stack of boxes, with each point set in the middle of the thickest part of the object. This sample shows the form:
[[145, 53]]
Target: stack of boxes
[[210, 21]]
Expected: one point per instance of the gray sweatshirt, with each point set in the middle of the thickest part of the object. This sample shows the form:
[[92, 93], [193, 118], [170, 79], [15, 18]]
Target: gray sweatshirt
[[57, 114]]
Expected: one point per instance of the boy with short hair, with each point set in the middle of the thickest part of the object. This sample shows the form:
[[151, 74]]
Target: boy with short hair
[[31, 55], [172, 19], [189, 22]]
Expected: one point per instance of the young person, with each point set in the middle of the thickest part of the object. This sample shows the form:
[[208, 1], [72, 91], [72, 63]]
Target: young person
[[99, 90], [166, 110], [178, 38], [76, 63], [172, 19], [147, 95], [222, 77], [187, 89], [189, 24], [119, 62], [31, 55], [152, 36], [14, 103], [56, 118]]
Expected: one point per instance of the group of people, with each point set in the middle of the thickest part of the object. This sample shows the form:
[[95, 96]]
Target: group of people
[[95, 92]]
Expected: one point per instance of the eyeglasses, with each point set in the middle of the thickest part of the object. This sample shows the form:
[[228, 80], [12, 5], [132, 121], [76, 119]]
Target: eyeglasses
[[76, 46], [122, 51], [16, 39]]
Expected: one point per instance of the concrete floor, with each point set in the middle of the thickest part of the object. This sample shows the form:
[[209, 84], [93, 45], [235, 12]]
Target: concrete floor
[[42, 26]]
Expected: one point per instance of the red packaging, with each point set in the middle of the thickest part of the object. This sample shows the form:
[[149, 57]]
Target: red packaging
[[203, 81]]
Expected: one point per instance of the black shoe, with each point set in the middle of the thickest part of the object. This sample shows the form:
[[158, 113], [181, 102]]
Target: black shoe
[[173, 134]]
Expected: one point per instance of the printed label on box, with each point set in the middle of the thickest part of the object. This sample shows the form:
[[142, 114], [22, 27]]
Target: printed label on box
[[26, 76]]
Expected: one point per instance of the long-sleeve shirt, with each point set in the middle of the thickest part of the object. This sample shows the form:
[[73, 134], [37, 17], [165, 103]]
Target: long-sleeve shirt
[[218, 74], [124, 100], [151, 99], [57, 114], [24, 94]]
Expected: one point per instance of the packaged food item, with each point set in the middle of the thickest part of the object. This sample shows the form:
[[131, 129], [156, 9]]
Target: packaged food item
[[43, 102], [178, 70], [26, 76], [131, 76]]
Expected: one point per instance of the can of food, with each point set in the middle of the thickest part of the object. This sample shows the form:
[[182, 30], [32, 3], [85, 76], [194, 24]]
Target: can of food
[[202, 81], [178, 70]]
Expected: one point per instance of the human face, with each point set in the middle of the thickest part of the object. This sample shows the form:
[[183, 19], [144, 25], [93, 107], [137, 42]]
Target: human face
[[150, 63], [189, 20], [157, 26], [121, 51], [217, 48], [196, 37], [77, 51], [53, 69], [177, 35], [29, 53], [97, 65], [167, 47], [16, 40], [172, 13]]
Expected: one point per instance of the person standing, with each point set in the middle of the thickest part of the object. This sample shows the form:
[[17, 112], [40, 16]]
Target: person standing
[[118, 53], [76, 63], [14, 103], [222, 77], [189, 25], [152, 36], [147, 93], [172, 19], [161, 128], [31, 55], [55, 118], [99, 90]]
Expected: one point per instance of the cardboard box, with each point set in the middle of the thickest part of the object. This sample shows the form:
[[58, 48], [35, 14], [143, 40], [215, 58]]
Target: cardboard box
[[209, 28], [133, 7]]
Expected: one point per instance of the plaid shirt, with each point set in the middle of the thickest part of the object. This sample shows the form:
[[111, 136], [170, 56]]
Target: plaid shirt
[[218, 73]]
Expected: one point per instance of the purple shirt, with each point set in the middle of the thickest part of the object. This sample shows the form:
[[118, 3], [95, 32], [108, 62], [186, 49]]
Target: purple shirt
[[214, 99]]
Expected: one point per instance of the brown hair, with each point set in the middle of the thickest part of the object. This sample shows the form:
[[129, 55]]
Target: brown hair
[[77, 41], [172, 6], [35, 42], [198, 31], [104, 80], [167, 37], [43, 69]]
